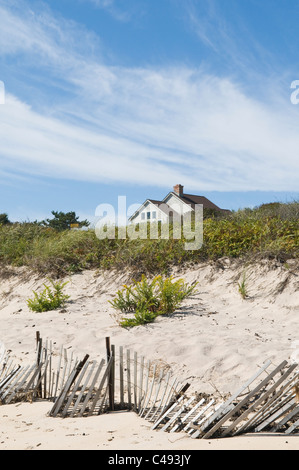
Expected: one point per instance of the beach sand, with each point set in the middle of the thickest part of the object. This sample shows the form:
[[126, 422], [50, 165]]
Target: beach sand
[[215, 341]]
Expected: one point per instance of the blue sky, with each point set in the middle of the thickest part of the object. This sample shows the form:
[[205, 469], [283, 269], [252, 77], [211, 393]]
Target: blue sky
[[108, 98]]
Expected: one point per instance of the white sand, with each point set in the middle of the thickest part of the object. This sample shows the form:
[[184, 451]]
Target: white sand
[[216, 341], [26, 426]]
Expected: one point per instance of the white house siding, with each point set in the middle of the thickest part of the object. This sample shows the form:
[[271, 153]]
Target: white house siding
[[177, 205], [149, 207]]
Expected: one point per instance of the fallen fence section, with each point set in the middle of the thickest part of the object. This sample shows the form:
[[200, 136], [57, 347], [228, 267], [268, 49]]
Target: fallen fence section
[[267, 402], [123, 380]]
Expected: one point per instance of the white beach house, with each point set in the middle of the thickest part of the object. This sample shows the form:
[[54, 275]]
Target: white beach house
[[175, 203]]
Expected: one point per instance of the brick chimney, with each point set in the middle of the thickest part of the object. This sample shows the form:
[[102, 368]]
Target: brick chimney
[[179, 189]]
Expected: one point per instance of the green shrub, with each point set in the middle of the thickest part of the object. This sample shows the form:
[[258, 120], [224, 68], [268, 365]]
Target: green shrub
[[48, 299], [171, 294], [148, 299]]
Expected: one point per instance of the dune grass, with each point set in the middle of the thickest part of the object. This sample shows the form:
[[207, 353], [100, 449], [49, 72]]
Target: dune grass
[[269, 231]]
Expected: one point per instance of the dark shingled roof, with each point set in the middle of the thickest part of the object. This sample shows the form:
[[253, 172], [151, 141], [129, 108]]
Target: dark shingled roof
[[192, 199]]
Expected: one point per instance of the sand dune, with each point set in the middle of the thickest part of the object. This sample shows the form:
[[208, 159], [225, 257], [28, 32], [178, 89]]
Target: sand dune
[[215, 341]]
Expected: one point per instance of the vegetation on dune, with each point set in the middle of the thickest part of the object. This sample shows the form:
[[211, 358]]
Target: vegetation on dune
[[148, 299], [51, 298], [271, 231]]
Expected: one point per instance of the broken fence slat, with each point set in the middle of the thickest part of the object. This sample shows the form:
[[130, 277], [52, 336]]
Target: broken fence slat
[[135, 381], [65, 359], [146, 387], [150, 392], [57, 374], [20, 385], [82, 390], [8, 378], [157, 410], [274, 416], [177, 414], [242, 403], [260, 400], [121, 375], [100, 388], [36, 374], [292, 427], [265, 414], [93, 384], [195, 407], [172, 407], [12, 383], [158, 386], [129, 379], [141, 370], [194, 428], [112, 377], [48, 393], [225, 406], [170, 394], [199, 414], [291, 414], [270, 406], [75, 389], [60, 400], [7, 366]]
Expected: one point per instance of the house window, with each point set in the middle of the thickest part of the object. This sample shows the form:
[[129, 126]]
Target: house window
[[148, 215], [154, 215], [142, 215]]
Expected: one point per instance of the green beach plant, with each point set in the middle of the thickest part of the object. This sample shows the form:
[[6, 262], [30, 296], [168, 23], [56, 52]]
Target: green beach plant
[[243, 287], [148, 299], [51, 298]]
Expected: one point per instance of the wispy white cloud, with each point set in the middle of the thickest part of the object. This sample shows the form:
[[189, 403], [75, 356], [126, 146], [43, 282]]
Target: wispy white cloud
[[112, 6], [141, 125], [53, 39], [225, 32]]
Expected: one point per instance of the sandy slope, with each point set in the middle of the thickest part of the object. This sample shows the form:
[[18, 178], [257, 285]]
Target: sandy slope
[[216, 341]]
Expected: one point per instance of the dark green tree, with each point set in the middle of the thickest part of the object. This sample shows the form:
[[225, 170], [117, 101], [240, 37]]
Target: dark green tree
[[4, 219], [64, 220]]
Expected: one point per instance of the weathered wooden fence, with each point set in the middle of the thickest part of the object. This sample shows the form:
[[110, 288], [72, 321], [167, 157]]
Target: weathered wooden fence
[[124, 380], [268, 401]]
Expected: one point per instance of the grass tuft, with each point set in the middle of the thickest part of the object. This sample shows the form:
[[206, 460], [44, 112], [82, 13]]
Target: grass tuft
[[243, 287]]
